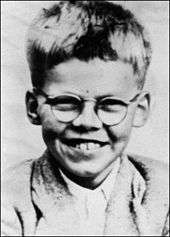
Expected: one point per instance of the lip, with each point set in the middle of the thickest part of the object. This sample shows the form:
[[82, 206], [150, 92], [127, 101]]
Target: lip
[[67, 143], [72, 141]]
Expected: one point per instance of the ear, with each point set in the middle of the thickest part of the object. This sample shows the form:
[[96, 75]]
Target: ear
[[31, 106], [142, 110]]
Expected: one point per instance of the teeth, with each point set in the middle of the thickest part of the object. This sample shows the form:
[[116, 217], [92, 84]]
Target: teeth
[[90, 145], [83, 146], [93, 145], [87, 146]]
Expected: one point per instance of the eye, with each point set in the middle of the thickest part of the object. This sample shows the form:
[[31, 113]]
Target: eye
[[64, 103], [112, 105]]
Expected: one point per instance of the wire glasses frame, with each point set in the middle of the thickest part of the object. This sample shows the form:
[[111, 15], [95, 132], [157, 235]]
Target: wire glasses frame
[[110, 110]]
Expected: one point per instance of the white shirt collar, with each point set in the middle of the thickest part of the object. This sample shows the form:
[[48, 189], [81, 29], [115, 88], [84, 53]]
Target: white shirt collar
[[106, 187]]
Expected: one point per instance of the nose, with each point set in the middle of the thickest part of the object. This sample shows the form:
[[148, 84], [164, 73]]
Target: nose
[[88, 118]]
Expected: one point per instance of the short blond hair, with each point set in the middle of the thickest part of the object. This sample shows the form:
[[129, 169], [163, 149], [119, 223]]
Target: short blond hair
[[85, 30]]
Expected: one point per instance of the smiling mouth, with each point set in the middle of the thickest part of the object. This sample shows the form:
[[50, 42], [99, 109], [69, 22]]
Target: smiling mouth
[[84, 145]]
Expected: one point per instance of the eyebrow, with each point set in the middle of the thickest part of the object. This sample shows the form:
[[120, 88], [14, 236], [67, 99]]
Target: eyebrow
[[105, 96], [51, 97], [95, 97], [98, 98]]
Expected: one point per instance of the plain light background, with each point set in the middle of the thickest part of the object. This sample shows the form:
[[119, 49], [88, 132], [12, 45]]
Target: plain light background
[[22, 140]]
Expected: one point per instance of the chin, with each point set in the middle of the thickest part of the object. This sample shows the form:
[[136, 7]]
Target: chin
[[82, 163]]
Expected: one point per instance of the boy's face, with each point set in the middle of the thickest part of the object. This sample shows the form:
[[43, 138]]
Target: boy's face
[[92, 79]]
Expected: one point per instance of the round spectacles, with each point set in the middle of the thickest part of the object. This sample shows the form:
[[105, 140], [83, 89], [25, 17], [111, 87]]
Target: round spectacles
[[66, 108]]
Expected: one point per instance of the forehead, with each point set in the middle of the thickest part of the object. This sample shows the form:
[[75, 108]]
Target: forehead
[[94, 78]]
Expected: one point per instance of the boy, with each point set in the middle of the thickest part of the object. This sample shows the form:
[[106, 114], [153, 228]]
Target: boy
[[88, 63]]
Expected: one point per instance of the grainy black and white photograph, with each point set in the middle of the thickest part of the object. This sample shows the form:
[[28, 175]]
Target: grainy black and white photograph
[[84, 118]]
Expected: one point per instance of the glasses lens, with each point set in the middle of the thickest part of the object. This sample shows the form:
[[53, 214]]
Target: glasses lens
[[65, 108], [112, 111]]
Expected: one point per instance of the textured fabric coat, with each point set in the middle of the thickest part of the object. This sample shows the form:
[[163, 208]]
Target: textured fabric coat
[[37, 201]]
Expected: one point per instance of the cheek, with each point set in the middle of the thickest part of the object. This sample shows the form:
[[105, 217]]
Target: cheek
[[51, 128], [121, 132]]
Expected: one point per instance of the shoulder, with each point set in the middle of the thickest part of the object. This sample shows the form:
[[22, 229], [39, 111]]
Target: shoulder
[[155, 197], [16, 181], [17, 207], [154, 172], [149, 168], [18, 171]]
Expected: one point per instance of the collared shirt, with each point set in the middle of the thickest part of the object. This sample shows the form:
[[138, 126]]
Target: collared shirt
[[91, 204]]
